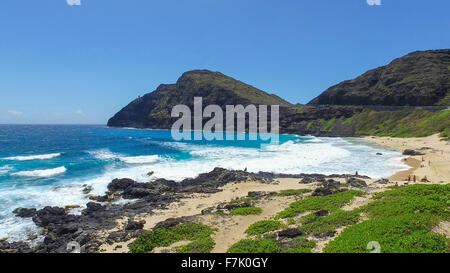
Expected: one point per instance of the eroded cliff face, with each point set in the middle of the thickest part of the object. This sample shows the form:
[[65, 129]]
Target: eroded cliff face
[[420, 78]]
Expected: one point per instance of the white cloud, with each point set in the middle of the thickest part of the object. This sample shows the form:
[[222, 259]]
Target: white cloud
[[374, 2], [79, 112], [15, 113]]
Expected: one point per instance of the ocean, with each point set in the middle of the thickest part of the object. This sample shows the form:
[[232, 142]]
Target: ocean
[[49, 165]]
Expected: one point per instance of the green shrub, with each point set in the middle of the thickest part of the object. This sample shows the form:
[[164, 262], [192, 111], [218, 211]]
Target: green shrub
[[246, 211], [293, 192], [203, 245], [261, 227], [254, 246], [162, 237], [401, 220], [301, 245], [330, 202], [291, 221], [398, 234], [322, 225]]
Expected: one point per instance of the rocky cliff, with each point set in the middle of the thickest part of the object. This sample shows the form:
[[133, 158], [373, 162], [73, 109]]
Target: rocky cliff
[[420, 78], [153, 109]]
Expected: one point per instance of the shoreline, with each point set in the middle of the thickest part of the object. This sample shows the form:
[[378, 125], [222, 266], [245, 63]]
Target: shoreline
[[431, 160], [105, 226]]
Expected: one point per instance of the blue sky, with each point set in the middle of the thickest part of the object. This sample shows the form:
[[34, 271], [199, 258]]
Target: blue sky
[[81, 64]]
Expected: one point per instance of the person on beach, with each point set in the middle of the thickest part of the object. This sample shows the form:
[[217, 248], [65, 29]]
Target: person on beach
[[414, 178], [409, 178]]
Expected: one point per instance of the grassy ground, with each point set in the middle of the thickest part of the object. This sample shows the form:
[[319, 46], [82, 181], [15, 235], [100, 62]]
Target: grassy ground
[[400, 220], [198, 233], [402, 123]]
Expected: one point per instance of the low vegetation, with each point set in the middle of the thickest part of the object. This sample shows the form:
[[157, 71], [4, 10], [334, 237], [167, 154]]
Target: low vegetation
[[329, 203], [203, 245], [198, 233], [242, 200], [326, 225], [401, 221], [246, 211], [261, 227], [255, 246], [293, 192]]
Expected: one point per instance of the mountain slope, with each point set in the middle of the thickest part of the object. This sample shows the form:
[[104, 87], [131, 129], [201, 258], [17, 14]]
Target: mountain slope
[[417, 79], [153, 109]]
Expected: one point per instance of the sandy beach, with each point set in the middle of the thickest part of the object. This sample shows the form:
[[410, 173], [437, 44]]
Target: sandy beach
[[433, 164]]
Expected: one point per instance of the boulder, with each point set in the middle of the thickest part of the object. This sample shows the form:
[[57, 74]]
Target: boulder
[[358, 183], [331, 183], [92, 206], [411, 152], [290, 233], [382, 181], [322, 213], [120, 184], [135, 225], [24, 212], [307, 180]]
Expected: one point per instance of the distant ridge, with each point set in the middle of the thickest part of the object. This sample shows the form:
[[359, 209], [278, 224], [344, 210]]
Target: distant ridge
[[379, 102], [421, 78], [153, 109]]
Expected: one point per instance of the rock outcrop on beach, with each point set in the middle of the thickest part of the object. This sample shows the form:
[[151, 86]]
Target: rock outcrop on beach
[[417, 79], [61, 228]]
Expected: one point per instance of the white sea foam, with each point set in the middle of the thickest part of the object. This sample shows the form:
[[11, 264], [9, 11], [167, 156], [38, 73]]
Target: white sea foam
[[42, 173], [32, 157], [5, 169], [143, 159], [104, 154]]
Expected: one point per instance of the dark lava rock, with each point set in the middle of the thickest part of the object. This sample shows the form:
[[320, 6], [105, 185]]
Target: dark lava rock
[[120, 184], [16, 247], [323, 191], [123, 236], [260, 194], [325, 234], [355, 182], [135, 225], [382, 181], [307, 180], [322, 213], [424, 180], [331, 183], [92, 206], [49, 215], [101, 199], [24, 212], [411, 152], [379, 154], [172, 222], [232, 206], [290, 233], [70, 228]]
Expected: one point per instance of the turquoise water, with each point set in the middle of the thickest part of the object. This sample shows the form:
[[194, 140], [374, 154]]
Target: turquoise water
[[48, 165]]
